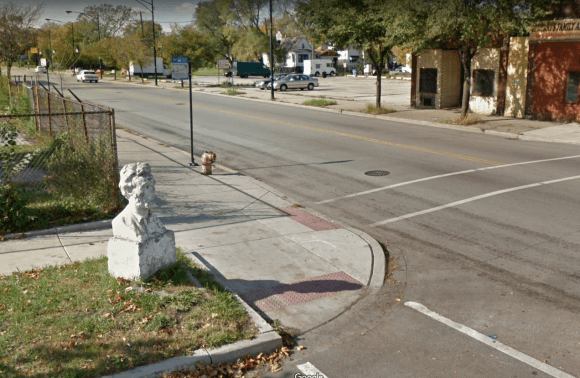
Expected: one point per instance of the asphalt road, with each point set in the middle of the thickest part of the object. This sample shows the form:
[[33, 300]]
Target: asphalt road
[[494, 247]]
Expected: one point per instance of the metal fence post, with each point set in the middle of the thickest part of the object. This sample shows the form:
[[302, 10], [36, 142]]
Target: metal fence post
[[85, 122], [65, 113], [49, 114], [37, 108], [116, 190]]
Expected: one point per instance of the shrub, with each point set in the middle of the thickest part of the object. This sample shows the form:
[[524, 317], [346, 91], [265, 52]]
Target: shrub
[[13, 211], [83, 170]]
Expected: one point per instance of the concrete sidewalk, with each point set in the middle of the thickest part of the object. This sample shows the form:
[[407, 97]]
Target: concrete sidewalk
[[287, 263]]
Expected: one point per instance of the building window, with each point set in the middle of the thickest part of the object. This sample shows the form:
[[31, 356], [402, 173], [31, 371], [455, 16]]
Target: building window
[[302, 58], [483, 82], [354, 58], [572, 87], [428, 80]]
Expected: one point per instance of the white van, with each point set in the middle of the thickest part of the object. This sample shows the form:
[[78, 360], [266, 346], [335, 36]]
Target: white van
[[318, 67]]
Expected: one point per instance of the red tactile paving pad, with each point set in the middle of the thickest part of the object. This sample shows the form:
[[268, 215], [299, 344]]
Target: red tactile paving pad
[[309, 220], [301, 291]]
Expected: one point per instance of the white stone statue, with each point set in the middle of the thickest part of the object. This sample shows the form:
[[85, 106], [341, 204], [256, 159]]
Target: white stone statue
[[141, 245]]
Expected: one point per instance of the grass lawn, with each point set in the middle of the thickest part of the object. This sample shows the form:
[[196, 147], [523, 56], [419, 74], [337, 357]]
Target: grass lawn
[[78, 321], [207, 72]]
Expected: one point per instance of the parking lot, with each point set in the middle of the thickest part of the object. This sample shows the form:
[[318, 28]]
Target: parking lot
[[361, 90]]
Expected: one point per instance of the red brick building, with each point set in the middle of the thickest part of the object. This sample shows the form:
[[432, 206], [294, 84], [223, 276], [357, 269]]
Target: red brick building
[[554, 72], [535, 76]]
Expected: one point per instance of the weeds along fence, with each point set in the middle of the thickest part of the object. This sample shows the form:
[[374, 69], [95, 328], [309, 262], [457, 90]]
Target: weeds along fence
[[66, 143]]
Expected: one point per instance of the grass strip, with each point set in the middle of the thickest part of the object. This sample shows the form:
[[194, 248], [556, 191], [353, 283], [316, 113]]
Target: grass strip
[[77, 320], [233, 92], [319, 102], [371, 109], [469, 119]]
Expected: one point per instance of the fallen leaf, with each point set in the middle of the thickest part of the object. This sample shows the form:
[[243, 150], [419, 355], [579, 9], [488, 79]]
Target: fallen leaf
[[398, 299], [213, 315], [25, 291], [299, 347]]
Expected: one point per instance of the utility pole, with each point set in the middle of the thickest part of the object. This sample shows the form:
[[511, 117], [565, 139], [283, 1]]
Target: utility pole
[[271, 56], [154, 47], [152, 10]]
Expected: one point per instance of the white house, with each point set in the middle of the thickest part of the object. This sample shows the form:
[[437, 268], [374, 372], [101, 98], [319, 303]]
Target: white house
[[349, 58], [298, 50]]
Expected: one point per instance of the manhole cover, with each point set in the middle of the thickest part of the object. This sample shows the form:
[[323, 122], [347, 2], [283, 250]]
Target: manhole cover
[[377, 173]]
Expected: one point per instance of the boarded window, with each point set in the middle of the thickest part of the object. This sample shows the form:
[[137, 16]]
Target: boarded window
[[483, 82], [572, 87], [428, 80]]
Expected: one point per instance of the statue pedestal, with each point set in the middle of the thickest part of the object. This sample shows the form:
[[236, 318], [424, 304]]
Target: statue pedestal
[[133, 260]]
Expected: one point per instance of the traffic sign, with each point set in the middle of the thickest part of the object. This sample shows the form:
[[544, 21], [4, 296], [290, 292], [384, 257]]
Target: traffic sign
[[223, 64], [179, 59], [179, 67]]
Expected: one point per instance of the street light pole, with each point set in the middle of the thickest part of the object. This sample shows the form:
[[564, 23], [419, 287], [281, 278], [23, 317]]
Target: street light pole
[[98, 36], [72, 25]]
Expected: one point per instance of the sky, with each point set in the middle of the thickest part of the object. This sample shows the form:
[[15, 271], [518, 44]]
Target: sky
[[166, 11]]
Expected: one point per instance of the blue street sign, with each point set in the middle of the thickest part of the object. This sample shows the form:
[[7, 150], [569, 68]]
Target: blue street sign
[[179, 59]]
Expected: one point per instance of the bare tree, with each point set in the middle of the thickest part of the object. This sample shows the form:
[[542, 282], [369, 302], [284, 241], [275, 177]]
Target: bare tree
[[16, 33]]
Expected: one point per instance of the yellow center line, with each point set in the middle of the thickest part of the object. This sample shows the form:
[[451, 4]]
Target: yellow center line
[[348, 135]]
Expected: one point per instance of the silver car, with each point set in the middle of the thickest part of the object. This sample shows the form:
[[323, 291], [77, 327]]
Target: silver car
[[296, 81], [264, 83]]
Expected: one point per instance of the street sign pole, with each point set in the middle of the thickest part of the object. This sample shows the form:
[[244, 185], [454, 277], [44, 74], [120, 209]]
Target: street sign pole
[[192, 162]]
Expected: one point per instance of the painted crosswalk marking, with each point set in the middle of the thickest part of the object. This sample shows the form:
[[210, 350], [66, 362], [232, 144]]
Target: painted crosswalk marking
[[490, 342]]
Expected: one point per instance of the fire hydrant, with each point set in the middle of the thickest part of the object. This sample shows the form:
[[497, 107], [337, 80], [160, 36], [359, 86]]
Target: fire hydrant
[[207, 158]]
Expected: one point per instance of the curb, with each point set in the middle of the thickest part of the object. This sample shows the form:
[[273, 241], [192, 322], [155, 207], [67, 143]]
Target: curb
[[263, 343], [96, 225], [538, 139]]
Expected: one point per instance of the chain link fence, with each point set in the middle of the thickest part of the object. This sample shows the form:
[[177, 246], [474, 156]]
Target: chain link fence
[[66, 144]]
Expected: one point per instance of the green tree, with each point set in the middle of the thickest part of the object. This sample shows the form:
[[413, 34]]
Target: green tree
[[190, 42], [469, 25], [235, 28], [106, 20], [16, 34], [366, 24], [214, 20]]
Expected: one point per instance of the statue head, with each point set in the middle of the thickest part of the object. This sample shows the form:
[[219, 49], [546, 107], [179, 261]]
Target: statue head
[[137, 185]]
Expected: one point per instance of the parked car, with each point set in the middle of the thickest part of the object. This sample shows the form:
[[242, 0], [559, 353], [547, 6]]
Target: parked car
[[403, 69], [88, 76], [40, 69], [263, 83], [295, 81]]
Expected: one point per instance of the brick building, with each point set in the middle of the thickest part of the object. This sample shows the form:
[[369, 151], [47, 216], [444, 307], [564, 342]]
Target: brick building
[[535, 76]]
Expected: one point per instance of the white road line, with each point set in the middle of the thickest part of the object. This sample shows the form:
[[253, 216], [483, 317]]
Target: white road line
[[452, 204], [492, 343], [310, 370], [444, 175]]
